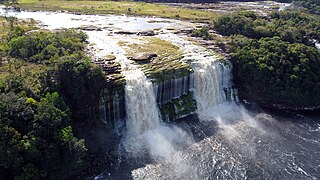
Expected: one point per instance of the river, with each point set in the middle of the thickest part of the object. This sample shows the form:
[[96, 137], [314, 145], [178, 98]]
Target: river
[[225, 141]]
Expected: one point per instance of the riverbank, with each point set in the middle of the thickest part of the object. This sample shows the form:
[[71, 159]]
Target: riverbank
[[119, 8]]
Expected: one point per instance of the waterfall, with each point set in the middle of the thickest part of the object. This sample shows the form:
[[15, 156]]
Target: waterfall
[[141, 106], [145, 134], [211, 77], [173, 88], [112, 108], [212, 81]]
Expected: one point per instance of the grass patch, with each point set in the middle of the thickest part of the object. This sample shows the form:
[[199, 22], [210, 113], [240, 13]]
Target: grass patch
[[123, 7], [167, 65]]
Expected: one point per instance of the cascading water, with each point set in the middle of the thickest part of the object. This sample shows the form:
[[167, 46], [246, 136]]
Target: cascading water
[[141, 106], [173, 88], [237, 144], [234, 144], [211, 78], [145, 132]]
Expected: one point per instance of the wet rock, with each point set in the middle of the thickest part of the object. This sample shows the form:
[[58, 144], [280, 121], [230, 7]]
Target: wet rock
[[90, 28], [109, 57], [111, 68], [114, 77], [105, 60], [187, 30], [175, 32], [143, 56], [147, 33], [126, 32], [99, 61], [213, 47], [171, 28]]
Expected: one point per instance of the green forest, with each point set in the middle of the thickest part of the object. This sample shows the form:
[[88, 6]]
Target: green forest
[[46, 85], [274, 57]]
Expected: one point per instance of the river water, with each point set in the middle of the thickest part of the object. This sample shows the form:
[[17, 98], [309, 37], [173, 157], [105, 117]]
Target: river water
[[225, 141]]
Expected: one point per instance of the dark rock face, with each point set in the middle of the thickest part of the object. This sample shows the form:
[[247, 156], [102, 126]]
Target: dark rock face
[[173, 96], [140, 33], [108, 65], [173, 88], [112, 71], [112, 107], [143, 56], [126, 32], [177, 108], [114, 77]]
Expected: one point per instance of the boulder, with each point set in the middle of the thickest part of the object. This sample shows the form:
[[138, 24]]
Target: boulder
[[110, 57], [143, 56], [147, 33]]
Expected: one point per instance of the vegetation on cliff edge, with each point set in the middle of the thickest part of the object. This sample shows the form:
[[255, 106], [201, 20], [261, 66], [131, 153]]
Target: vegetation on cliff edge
[[46, 87], [275, 59]]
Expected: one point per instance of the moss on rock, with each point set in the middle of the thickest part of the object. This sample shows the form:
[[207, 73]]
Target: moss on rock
[[166, 65], [178, 108]]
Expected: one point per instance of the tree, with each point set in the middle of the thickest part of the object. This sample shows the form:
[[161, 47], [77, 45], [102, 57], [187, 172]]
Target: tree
[[275, 71], [80, 82], [37, 139]]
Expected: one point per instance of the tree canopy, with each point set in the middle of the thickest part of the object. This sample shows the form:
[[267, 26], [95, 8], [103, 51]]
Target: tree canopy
[[276, 70], [274, 57], [47, 84]]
